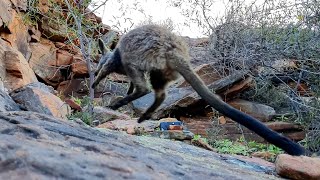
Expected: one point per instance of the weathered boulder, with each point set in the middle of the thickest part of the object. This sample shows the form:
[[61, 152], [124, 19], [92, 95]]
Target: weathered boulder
[[17, 35], [103, 115], [52, 29], [42, 87], [38, 97], [298, 167], [67, 47], [239, 87], [291, 130], [43, 61], [79, 87], [206, 72], [64, 58], [35, 34], [131, 126], [38, 146], [79, 67], [71, 88], [296, 136], [283, 126], [185, 96], [15, 71], [174, 96], [6, 12], [6, 102], [259, 111]]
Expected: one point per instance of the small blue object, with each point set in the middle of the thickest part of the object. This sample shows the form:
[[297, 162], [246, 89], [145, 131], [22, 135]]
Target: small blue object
[[165, 125]]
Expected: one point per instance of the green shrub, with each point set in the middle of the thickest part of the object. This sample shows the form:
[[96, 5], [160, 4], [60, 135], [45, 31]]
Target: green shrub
[[240, 147]]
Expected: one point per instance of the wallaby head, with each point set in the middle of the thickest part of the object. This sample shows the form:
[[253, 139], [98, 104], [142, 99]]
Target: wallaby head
[[164, 56], [106, 55], [109, 62]]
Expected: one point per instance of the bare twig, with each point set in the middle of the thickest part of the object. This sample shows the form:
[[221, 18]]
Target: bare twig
[[84, 40]]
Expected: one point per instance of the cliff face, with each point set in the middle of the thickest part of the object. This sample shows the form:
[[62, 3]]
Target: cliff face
[[38, 43], [34, 45], [14, 47]]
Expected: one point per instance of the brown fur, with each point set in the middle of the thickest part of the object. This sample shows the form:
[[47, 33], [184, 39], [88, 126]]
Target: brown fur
[[156, 50]]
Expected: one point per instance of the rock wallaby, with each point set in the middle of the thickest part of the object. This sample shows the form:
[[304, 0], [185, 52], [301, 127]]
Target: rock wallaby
[[164, 56]]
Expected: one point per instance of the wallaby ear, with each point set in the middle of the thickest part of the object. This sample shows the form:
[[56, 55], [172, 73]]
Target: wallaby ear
[[102, 47]]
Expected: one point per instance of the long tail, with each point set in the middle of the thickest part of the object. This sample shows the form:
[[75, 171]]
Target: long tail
[[251, 123]]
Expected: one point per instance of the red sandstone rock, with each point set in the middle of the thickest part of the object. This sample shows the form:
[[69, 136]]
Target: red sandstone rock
[[64, 58], [298, 167], [281, 126], [73, 105], [6, 12], [79, 67], [43, 61], [207, 73], [259, 111], [239, 87], [15, 71], [18, 35]]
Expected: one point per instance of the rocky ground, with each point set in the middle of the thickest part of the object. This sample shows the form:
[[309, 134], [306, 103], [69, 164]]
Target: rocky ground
[[38, 146]]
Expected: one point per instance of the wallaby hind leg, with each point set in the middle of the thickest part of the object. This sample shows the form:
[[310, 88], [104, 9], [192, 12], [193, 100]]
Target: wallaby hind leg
[[158, 83], [140, 87]]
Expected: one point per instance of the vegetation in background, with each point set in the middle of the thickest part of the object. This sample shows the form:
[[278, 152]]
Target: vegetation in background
[[84, 116], [198, 137], [240, 147]]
